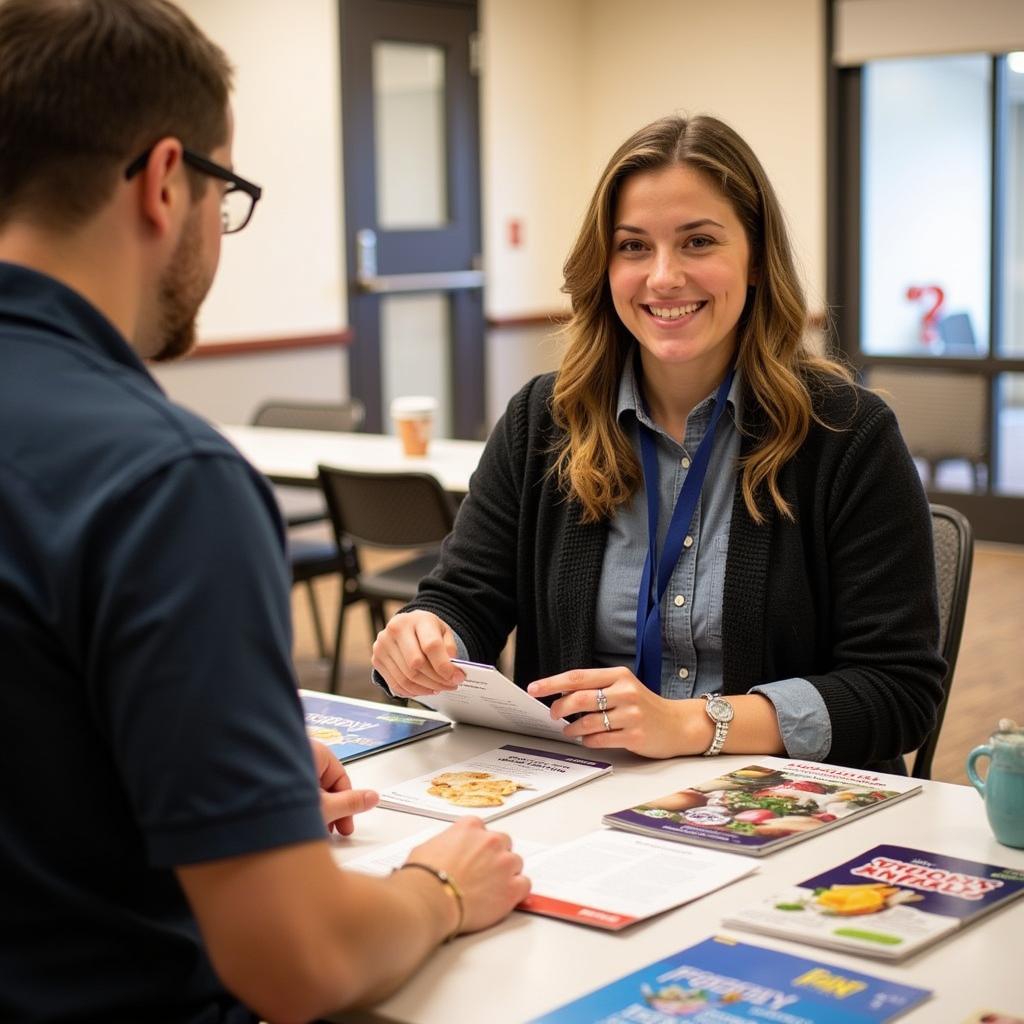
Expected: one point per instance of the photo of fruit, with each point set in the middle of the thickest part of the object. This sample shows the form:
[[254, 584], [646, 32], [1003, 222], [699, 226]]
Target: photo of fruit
[[854, 900]]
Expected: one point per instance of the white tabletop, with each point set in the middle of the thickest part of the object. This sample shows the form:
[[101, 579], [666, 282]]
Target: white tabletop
[[528, 964], [292, 456]]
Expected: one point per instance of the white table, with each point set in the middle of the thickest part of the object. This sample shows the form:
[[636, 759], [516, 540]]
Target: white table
[[528, 964], [291, 456]]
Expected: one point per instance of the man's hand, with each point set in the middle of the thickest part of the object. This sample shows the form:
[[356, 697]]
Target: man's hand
[[483, 866], [338, 800], [414, 652]]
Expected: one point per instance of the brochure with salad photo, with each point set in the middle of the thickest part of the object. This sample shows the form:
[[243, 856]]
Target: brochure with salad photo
[[765, 806]]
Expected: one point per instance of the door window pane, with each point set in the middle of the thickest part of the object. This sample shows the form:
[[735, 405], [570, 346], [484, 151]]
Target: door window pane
[[1013, 280], [415, 333], [1010, 433], [409, 124], [942, 418], [926, 205]]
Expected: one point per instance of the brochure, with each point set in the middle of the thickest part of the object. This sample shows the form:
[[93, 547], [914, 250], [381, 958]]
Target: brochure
[[889, 902], [610, 880], [720, 981], [490, 699], [765, 806], [356, 728], [606, 879], [382, 860], [491, 784]]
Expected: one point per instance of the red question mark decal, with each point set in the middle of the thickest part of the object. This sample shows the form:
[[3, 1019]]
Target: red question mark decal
[[931, 315]]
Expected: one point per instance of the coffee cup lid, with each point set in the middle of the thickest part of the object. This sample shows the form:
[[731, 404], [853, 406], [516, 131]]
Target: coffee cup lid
[[413, 405]]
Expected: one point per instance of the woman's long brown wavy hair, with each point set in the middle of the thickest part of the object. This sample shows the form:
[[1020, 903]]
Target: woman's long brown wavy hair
[[595, 463]]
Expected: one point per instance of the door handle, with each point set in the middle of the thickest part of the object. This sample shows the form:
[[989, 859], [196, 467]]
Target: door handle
[[368, 280], [438, 281]]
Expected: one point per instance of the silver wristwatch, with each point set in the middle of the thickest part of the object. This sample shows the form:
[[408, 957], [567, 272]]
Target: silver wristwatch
[[720, 711]]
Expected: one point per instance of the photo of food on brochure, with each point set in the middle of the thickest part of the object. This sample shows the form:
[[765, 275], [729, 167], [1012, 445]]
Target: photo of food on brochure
[[765, 806]]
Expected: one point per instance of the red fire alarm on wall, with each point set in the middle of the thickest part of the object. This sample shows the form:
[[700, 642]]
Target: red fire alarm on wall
[[515, 233]]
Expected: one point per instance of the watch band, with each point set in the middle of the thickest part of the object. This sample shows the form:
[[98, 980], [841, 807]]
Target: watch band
[[721, 717]]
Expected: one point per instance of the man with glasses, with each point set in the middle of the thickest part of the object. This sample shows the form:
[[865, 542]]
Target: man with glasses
[[163, 852]]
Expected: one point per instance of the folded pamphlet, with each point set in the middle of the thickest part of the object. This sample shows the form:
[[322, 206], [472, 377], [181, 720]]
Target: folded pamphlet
[[490, 699]]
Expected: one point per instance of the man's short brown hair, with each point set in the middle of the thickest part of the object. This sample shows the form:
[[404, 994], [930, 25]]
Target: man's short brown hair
[[87, 85]]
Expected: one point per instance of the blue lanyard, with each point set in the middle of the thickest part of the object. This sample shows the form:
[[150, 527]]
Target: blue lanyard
[[648, 604]]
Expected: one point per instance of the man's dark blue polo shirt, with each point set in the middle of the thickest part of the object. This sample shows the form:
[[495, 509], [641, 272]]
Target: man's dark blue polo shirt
[[148, 714]]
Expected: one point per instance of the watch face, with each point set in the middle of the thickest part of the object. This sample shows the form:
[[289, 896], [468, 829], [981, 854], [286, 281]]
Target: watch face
[[720, 710]]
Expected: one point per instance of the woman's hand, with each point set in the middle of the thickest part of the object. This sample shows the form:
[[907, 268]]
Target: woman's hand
[[639, 720], [338, 800], [414, 652]]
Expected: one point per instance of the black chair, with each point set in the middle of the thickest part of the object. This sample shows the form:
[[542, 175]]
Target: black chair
[[397, 510], [953, 539], [301, 506]]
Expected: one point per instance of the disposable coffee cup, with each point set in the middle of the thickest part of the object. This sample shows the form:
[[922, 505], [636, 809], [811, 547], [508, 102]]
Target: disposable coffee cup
[[413, 416]]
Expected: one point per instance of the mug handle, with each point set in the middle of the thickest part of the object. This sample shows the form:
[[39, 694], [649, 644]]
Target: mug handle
[[972, 757]]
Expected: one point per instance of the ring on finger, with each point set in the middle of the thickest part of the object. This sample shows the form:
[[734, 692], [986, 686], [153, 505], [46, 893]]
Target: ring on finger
[[607, 721], [602, 701]]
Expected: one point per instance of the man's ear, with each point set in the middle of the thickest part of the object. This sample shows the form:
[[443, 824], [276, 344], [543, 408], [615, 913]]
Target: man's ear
[[161, 183]]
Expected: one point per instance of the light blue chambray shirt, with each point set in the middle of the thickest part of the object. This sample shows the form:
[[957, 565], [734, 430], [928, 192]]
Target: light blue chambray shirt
[[691, 611]]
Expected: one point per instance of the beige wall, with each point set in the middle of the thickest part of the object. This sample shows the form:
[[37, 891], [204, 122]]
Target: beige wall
[[532, 142], [285, 273]]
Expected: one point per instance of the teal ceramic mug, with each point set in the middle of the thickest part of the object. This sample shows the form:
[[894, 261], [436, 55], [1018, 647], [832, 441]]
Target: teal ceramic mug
[[1003, 788]]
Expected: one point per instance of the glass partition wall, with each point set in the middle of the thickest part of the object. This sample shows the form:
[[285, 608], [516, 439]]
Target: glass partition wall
[[927, 279]]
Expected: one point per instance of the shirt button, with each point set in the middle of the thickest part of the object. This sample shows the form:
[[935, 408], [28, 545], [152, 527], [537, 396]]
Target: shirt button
[[688, 542], [684, 673], [684, 462], [680, 600]]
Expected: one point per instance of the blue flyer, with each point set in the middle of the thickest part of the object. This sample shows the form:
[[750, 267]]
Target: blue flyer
[[356, 728], [721, 981]]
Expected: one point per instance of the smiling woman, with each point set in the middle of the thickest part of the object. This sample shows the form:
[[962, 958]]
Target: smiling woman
[[706, 536], [678, 275]]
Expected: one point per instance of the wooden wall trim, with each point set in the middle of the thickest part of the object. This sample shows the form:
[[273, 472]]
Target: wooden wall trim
[[254, 346], [555, 319]]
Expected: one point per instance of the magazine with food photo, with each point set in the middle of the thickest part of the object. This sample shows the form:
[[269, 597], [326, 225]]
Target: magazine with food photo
[[493, 783], [356, 728], [888, 902], [765, 806], [721, 981]]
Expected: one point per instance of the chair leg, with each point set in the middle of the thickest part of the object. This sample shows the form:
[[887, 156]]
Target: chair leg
[[321, 644], [339, 630], [378, 620]]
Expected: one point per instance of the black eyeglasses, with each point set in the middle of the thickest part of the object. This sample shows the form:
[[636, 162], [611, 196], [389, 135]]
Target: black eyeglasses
[[238, 201]]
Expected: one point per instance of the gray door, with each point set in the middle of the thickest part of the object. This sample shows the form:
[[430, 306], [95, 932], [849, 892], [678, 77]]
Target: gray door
[[410, 131]]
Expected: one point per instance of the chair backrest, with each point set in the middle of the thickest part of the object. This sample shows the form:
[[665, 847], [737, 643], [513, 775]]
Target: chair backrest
[[341, 416], [387, 510], [941, 415], [953, 539]]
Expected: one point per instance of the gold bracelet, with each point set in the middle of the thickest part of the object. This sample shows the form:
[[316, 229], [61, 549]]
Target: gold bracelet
[[449, 887]]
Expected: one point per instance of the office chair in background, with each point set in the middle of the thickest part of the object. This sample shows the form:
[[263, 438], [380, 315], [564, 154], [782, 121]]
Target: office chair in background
[[953, 539], [389, 511], [310, 557]]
